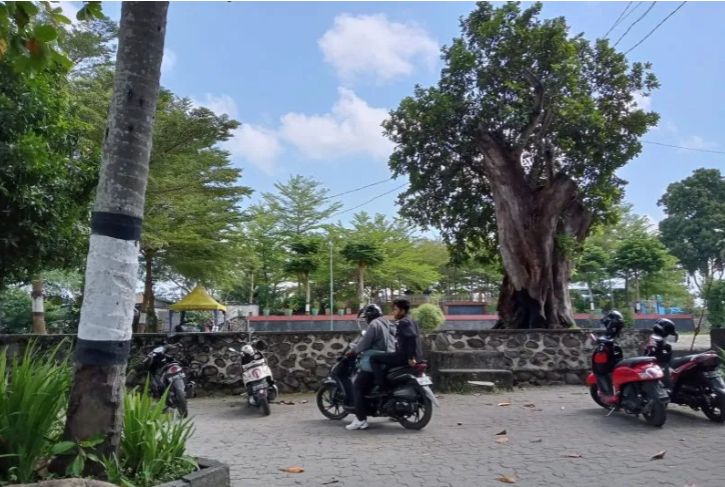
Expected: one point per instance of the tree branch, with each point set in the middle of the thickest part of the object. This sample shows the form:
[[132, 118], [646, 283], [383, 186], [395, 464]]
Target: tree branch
[[536, 113]]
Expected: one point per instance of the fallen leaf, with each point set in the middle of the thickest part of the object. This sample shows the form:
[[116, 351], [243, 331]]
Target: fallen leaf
[[537, 441], [502, 440], [501, 433], [477, 394], [572, 455], [659, 456], [293, 469], [506, 479], [333, 481], [459, 424], [303, 402], [502, 404], [530, 405], [439, 397]]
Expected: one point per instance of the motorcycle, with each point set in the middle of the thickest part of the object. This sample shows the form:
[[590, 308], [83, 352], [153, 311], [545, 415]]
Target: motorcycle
[[167, 373], [257, 377], [631, 384], [410, 393], [693, 380]]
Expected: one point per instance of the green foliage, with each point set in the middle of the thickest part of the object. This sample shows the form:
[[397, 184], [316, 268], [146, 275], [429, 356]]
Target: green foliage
[[362, 254], [587, 125], [46, 179], [33, 399], [593, 264], [29, 34], [694, 227], [716, 305], [628, 316], [153, 444], [15, 311], [429, 316], [640, 254]]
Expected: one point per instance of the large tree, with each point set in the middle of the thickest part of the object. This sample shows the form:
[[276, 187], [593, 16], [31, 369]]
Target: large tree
[[517, 147], [104, 335]]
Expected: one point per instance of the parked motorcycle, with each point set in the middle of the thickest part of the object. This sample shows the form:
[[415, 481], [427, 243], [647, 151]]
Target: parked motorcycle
[[168, 373], [409, 400], [257, 377], [632, 384], [693, 380]]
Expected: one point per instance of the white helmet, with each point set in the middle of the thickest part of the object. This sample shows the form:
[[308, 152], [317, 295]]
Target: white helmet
[[247, 350]]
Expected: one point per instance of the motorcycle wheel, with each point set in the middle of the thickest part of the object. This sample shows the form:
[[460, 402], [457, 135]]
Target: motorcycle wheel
[[264, 405], [658, 415], [716, 412], [422, 422], [180, 397], [325, 397], [594, 392]]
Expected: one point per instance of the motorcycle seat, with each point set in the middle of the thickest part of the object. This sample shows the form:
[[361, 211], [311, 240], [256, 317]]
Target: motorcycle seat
[[632, 361], [678, 361]]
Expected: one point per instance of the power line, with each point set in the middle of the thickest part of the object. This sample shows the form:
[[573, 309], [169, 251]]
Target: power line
[[685, 148], [635, 22], [368, 201], [358, 189], [619, 19], [656, 27]]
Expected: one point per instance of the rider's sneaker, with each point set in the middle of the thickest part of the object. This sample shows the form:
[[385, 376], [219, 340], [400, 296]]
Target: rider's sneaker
[[252, 402], [357, 425]]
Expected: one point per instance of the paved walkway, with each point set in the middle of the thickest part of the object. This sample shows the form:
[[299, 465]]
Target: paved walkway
[[702, 342], [459, 448]]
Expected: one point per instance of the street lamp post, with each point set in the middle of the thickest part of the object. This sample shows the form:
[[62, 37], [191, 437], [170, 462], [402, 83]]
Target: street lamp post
[[332, 316]]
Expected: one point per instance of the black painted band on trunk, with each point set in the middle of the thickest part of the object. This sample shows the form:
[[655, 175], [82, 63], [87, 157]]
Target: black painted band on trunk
[[102, 352], [115, 225]]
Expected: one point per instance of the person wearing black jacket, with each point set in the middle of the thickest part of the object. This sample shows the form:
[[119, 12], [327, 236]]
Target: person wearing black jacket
[[409, 349]]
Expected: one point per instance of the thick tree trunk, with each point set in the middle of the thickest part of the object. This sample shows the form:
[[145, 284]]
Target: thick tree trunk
[[38, 306], [104, 335], [361, 286], [537, 230], [251, 288]]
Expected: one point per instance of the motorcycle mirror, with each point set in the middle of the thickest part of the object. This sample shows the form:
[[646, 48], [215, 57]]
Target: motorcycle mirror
[[673, 338], [260, 345], [158, 350]]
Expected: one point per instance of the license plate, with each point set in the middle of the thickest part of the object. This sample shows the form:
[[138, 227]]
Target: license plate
[[712, 374], [424, 381]]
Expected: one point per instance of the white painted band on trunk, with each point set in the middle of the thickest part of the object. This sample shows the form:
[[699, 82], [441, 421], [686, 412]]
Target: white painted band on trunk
[[110, 291], [38, 305], [142, 318]]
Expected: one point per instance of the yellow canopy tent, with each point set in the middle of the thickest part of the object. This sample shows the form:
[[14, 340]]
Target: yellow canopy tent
[[198, 300]]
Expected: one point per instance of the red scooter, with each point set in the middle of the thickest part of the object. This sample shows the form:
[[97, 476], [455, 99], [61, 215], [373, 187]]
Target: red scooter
[[693, 380], [631, 384]]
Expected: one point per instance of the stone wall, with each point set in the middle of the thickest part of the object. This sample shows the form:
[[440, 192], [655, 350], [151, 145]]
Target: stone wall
[[536, 356], [300, 360]]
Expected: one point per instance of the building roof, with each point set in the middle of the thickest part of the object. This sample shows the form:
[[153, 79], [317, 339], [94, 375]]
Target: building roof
[[198, 300]]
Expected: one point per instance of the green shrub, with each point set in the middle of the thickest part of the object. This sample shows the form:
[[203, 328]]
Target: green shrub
[[429, 316], [628, 316], [33, 398], [153, 444]]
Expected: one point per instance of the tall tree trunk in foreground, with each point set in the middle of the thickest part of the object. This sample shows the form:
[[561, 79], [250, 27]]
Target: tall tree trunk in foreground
[[251, 288], [38, 306], [104, 334], [361, 286], [308, 292], [537, 230]]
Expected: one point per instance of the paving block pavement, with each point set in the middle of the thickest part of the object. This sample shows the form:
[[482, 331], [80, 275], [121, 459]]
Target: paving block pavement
[[556, 437]]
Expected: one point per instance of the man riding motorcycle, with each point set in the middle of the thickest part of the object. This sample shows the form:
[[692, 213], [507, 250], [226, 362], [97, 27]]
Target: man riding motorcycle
[[378, 337]]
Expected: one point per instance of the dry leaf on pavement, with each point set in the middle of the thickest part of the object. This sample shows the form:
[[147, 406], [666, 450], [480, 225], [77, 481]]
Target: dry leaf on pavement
[[572, 455], [506, 479], [502, 440], [659, 456], [530, 405], [293, 469], [501, 433], [504, 404], [537, 441]]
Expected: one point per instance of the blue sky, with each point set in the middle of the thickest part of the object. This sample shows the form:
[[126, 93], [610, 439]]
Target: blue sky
[[311, 82]]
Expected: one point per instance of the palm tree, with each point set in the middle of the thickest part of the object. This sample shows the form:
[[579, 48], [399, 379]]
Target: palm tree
[[104, 334], [363, 255]]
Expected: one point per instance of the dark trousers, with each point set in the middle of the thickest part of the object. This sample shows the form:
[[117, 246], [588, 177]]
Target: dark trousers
[[379, 361], [362, 385]]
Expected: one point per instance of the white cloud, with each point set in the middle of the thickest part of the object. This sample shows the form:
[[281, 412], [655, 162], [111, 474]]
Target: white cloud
[[643, 102], [695, 142], [257, 145], [169, 61], [222, 104], [352, 127], [372, 44]]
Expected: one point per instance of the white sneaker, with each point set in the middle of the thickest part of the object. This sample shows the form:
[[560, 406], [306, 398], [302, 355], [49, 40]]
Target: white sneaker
[[357, 425], [252, 401]]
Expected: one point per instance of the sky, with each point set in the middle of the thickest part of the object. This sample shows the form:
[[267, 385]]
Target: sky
[[312, 81]]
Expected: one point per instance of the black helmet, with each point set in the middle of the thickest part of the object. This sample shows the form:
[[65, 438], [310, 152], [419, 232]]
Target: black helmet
[[370, 312], [664, 327], [613, 321]]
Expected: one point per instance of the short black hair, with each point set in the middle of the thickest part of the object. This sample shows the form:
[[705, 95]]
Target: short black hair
[[402, 304]]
